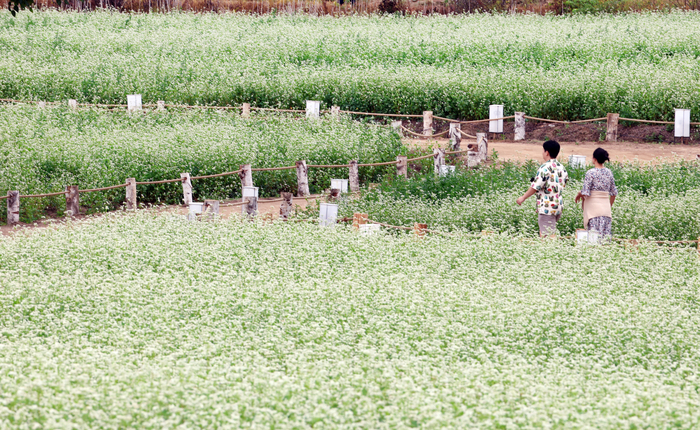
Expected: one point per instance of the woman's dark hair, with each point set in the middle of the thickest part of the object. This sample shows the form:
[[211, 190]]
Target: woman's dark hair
[[601, 155], [552, 146]]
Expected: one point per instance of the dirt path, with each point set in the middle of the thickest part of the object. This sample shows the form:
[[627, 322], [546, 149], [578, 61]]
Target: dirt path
[[621, 151]]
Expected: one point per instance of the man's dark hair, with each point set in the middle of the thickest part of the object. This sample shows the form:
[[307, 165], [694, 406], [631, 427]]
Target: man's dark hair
[[552, 146], [601, 155]]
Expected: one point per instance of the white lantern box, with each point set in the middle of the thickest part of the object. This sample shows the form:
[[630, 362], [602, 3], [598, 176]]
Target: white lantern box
[[328, 214], [583, 236], [496, 111], [340, 184], [577, 161], [250, 192], [133, 102], [682, 123], [446, 170], [196, 207], [313, 109]]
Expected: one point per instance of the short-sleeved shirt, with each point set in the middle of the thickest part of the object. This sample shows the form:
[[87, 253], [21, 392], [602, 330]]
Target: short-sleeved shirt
[[549, 183], [599, 180]]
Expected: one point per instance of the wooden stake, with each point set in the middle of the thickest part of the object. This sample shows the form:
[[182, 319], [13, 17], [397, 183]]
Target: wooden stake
[[438, 159], [428, 123], [73, 104], [250, 207], [402, 166], [42, 105], [611, 135], [12, 207], [246, 175], [419, 230], [160, 105], [455, 136], [354, 177], [482, 144], [334, 195], [472, 159], [286, 206], [72, 201], [186, 188], [359, 219], [210, 208], [519, 126], [245, 111], [302, 179], [131, 193], [335, 111]]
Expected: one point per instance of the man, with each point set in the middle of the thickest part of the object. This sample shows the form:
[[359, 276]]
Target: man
[[548, 185]]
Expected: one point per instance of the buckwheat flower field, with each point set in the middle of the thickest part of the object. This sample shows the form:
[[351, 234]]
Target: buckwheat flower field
[[44, 150], [150, 321], [571, 67]]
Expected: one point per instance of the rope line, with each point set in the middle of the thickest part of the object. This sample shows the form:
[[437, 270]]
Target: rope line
[[165, 181], [328, 166], [269, 169], [395, 115], [104, 188], [486, 120], [467, 135], [216, 175], [424, 135], [420, 158], [387, 163], [43, 195]]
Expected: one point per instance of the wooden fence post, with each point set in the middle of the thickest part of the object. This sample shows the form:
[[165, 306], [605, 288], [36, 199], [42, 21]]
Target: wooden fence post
[[72, 201], [302, 179], [12, 207], [160, 105], [354, 177], [250, 207], [419, 229], [334, 195], [186, 188], [245, 110], [438, 159], [73, 104], [211, 208], [42, 105], [428, 123], [519, 126], [402, 166], [611, 135], [286, 206], [131, 193], [455, 136], [246, 175], [359, 219], [482, 145], [335, 111]]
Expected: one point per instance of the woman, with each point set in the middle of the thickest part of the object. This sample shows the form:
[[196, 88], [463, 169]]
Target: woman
[[598, 195]]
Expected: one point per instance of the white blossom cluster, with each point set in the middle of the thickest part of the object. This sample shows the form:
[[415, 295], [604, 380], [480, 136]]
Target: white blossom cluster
[[572, 67], [149, 321]]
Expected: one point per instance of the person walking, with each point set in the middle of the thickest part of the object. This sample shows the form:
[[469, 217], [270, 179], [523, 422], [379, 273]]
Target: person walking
[[598, 195], [548, 185]]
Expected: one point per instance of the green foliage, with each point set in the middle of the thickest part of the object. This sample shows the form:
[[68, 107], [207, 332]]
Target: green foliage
[[44, 150], [572, 67]]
